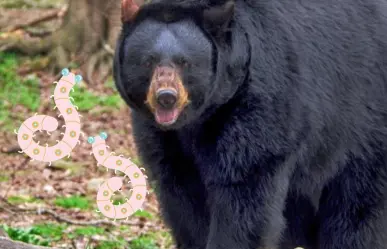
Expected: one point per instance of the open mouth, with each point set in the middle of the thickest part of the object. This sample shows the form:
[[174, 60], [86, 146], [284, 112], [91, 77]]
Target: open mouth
[[166, 117], [166, 96], [167, 110]]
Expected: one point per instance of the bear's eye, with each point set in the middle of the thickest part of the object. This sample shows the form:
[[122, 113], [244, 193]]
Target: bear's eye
[[184, 63], [148, 62]]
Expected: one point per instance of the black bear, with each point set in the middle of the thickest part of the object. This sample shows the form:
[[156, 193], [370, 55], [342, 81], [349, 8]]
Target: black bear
[[262, 122]]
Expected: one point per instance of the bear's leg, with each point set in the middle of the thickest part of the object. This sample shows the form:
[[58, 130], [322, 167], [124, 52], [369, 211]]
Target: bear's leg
[[182, 203], [247, 215], [352, 209], [179, 188], [301, 227]]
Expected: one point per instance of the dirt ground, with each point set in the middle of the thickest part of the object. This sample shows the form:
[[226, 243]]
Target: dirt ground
[[75, 176]]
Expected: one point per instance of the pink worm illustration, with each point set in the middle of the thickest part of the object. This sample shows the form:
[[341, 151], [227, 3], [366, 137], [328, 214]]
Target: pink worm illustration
[[63, 148], [107, 188]]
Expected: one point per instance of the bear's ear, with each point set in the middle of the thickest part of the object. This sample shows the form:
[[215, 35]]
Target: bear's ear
[[217, 18], [129, 9]]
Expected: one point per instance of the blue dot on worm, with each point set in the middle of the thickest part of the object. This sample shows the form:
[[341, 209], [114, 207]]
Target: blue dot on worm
[[65, 72], [90, 140], [103, 135], [78, 78]]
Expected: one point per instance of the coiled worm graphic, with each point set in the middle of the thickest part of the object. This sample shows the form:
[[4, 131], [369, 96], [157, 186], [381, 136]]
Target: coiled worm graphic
[[107, 188], [63, 148]]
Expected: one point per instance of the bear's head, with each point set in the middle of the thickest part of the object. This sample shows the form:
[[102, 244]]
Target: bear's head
[[172, 61]]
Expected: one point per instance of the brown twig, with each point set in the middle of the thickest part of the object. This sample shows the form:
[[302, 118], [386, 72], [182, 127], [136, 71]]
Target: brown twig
[[12, 208], [7, 209], [10, 150], [39, 19], [85, 223], [39, 33]]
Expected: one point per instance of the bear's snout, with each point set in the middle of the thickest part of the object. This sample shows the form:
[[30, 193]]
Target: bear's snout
[[166, 95], [166, 98]]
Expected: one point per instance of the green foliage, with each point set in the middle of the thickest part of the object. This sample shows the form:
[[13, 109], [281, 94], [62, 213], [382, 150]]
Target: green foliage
[[143, 242], [25, 236], [143, 213], [21, 199], [49, 230], [74, 201], [124, 229], [120, 243], [15, 90], [87, 231], [119, 200], [86, 100], [4, 178], [41, 234]]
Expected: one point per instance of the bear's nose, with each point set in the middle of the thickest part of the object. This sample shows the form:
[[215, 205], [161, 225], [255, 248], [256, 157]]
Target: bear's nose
[[166, 98]]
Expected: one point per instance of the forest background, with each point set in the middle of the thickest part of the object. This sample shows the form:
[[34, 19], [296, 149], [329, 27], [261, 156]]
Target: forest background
[[55, 206]]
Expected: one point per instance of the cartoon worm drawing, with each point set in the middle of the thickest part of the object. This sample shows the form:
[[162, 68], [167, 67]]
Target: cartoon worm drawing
[[25, 134], [107, 188]]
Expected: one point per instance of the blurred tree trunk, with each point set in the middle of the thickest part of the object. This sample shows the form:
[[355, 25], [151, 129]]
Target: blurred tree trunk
[[87, 38]]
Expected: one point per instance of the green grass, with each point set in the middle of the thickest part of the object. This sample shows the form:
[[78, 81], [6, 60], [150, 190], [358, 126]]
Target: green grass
[[15, 90], [53, 231], [45, 234], [144, 214], [146, 241], [40, 234], [21, 199], [25, 235], [86, 100], [143, 242], [86, 231], [119, 243], [118, 200], [74, 201], [4, 178]]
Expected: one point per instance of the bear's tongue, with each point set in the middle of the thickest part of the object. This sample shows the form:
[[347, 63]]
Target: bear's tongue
[[166, 117]]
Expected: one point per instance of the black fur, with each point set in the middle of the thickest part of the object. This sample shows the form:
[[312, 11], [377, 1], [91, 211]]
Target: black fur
[[284, 142]]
